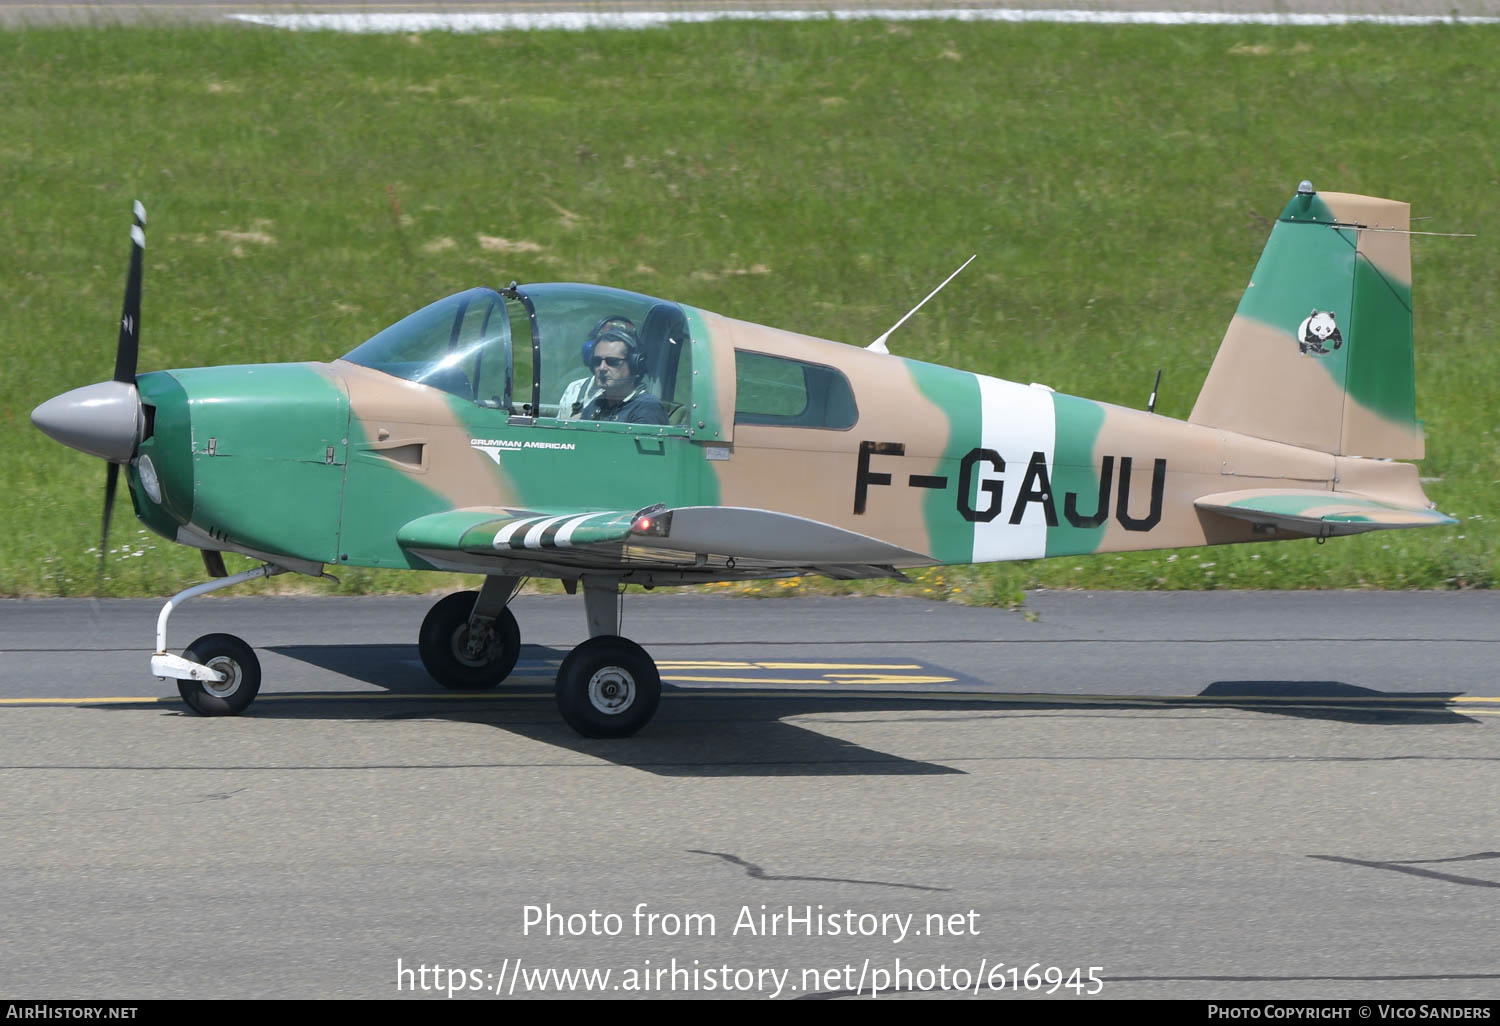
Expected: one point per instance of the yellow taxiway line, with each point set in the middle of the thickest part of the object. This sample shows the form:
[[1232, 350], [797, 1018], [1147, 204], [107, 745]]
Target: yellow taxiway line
[[843, 679], [1351, 701]]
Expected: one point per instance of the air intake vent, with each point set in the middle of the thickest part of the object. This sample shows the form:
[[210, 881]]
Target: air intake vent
[[410, 454]]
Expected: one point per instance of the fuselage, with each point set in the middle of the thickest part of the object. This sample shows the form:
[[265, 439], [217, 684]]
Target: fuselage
[[325, 462]]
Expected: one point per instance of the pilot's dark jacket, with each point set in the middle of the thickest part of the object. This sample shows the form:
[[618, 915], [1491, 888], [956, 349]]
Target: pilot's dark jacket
[[639, 407]]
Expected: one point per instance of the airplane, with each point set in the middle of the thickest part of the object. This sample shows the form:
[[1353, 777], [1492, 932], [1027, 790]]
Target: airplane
[[603, 438]]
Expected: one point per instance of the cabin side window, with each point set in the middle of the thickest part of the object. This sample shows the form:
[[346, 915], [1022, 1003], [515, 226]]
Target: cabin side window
[[791, 393]]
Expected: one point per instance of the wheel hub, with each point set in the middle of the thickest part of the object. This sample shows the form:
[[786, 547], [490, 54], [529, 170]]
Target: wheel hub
[[231, 682], [612, 690], [472, 648]]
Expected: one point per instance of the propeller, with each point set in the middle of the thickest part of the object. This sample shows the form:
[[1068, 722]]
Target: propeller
[[129, 347], [127, 352]]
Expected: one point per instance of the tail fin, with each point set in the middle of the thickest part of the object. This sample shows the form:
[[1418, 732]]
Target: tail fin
[[1319, 353]]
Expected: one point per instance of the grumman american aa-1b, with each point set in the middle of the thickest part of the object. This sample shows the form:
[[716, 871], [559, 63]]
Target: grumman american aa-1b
[[604, 438]]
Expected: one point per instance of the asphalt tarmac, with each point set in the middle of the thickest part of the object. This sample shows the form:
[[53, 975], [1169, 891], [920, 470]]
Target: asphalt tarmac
[[1205, 795]]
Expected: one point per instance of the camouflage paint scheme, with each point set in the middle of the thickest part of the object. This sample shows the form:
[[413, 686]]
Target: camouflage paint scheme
[[1312, 262], [337, 463]]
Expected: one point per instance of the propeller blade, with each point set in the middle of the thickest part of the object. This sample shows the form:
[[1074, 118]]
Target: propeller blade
[[111, 482], [129, 347]]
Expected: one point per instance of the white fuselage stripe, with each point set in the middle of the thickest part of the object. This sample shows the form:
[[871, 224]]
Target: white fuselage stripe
[[1017, 421]]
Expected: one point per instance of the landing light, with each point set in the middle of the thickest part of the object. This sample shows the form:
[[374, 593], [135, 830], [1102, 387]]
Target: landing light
[[149, 480]]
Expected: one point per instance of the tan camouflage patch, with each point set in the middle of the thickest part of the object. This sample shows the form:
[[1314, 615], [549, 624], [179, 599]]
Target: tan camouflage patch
[[811, 472], [1261, 385], [720, 343], [1203, 462], [412, 430], [1245, 457], [1193, 456], [1389, 251], [1378, 436], [1385, 480]]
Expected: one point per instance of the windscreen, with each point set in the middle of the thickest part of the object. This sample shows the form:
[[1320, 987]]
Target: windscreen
[[460, 344]]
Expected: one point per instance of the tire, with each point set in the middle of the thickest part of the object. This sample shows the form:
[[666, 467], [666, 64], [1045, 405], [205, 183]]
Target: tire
[[608, 687], [229, 655], [444, 635]]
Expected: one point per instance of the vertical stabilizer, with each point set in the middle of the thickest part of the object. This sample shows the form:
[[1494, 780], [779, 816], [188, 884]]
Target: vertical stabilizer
[[1319, 353]]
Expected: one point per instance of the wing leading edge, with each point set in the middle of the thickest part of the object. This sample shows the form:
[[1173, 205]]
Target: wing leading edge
[[709, 539], [487, 531]]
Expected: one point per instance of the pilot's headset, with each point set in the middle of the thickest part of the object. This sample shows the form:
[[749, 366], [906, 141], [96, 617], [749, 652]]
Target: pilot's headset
[[617, 329]]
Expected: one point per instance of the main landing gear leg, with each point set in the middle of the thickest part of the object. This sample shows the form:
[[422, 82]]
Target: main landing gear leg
[[217, 675], [470, 640], [608, 686]]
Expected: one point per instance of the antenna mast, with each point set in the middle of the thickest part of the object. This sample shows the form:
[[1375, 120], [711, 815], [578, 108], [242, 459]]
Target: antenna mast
[[878, 346]]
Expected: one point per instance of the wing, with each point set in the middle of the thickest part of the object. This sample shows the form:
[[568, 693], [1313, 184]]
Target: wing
[[1318, 513], [499, 531], [683, 544]]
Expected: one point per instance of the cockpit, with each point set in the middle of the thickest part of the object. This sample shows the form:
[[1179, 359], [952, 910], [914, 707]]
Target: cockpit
[[530, 351]]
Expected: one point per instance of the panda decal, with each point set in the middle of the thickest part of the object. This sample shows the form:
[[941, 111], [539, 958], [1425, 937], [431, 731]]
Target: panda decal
[[1319, 333]]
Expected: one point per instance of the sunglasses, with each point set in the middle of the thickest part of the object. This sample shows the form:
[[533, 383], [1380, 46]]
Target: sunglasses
[[613, 361]]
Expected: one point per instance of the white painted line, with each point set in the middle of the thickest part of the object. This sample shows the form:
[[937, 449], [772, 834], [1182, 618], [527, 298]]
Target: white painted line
[[579, 20]]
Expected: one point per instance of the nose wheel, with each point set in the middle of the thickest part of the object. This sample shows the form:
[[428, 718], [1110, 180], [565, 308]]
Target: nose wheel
[[608, 687], [227, 655]]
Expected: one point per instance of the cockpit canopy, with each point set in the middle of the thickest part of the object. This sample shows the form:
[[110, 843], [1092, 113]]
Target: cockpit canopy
[[525, 351]]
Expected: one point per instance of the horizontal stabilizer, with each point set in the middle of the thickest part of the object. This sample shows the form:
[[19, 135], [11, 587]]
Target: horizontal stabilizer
[[1322, 513]]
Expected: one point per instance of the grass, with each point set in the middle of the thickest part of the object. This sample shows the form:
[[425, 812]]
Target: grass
[[1118, 183]]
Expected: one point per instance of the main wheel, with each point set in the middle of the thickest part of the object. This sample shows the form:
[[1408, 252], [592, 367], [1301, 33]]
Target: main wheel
[[231, 657], [458, 661], [608, 687]]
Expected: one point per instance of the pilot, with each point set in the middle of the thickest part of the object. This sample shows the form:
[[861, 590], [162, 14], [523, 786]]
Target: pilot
[[619, 365], [582, 391]]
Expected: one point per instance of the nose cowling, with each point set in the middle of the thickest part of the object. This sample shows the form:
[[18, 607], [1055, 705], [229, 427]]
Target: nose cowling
[[104, 420]]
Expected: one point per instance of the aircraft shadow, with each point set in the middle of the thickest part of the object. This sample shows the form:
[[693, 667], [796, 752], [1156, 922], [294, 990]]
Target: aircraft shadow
[[397, 670], [1335, 700], [725, 735], [727, 732], [733, 731]]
